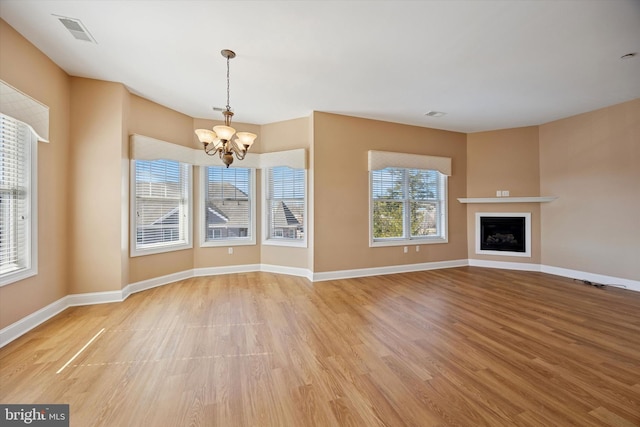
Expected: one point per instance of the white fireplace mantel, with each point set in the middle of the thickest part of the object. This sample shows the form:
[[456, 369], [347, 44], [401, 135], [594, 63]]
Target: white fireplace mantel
[[542, 199]]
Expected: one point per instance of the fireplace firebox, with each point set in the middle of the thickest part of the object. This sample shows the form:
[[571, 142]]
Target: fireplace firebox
[[507, 234]]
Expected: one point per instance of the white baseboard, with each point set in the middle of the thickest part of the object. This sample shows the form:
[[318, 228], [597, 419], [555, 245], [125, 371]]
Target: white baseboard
[[94, 298], [230, 269], [291, 271], [394, 269], [143, 285], [632, 285], [29, 322]]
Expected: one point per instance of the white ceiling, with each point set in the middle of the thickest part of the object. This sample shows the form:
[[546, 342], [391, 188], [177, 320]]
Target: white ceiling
[[487, 64]]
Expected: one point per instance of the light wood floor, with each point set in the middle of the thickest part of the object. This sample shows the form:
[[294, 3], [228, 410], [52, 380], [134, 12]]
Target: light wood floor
[[456, 347]]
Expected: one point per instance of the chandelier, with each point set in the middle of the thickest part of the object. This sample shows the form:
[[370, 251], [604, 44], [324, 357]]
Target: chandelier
[[218, 141]]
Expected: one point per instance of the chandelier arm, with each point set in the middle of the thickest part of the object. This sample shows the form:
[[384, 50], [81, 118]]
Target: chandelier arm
[[211, 151], [232, 148], [240, 155]]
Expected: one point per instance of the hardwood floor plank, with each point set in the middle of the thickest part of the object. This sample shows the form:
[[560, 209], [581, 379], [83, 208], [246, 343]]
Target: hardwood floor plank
[[457, 347]]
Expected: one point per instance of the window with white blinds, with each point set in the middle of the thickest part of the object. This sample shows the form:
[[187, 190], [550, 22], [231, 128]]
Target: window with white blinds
[[161, 195], [285, 204], [408, 205], [228, 206], [18, 255]]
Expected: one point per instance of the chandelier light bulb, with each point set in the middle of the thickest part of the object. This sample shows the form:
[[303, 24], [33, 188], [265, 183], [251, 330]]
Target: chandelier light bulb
[[224, 132], [206, 136], [246, 139]]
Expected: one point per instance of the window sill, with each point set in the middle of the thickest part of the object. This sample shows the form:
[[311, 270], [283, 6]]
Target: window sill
[[227, 243], [403, 242], [159, 250], [17, 275], [291, 244]]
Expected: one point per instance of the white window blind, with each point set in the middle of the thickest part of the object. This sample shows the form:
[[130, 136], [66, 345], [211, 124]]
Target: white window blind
[[408, 204], [285, 204], [228, 210], [162, 190], [17, 193]]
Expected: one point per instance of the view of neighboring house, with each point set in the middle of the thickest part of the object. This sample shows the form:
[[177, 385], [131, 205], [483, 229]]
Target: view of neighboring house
[[287, 219], [227, 211]]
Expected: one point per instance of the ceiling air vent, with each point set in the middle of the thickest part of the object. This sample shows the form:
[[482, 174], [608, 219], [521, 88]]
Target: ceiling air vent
[[434, 114], [77, 29]]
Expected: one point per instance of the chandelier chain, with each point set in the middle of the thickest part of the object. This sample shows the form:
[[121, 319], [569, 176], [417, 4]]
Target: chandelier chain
[[228, 106]]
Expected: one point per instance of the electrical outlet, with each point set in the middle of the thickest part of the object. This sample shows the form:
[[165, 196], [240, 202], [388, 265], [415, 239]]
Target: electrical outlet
[[230, 251], [417, 248], [406, 249]]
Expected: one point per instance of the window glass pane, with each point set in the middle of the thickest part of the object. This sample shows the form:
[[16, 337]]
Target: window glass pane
[[286, 201], [423, 184], [388, 184], [407, 204], [388, 219], [162, 199], [424, 219], [15, 195], [228, 203]]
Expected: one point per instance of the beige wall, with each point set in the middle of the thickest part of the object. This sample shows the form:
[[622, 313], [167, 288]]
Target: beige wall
[[29, 70], [281, 136], [341, 191], [96, 175], [155, 121], [504, 160], [592, 163]]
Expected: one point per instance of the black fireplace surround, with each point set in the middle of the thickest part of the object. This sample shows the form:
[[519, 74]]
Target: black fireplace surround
[[501, 233]]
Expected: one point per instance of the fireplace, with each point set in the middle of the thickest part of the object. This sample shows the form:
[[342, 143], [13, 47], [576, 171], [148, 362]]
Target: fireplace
[[507, 234]]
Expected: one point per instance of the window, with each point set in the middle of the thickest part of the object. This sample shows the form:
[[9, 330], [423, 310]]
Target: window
[[228, 206], [18, 224], [285, 206], [161, 203], [408, 205]]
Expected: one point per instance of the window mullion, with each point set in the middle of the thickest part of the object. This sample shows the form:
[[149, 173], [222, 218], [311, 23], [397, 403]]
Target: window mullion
[[407, 206]]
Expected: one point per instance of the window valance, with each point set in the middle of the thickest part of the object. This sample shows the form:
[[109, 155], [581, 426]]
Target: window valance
[[295, 159], [384, 159], [147, 148], [22, 107]]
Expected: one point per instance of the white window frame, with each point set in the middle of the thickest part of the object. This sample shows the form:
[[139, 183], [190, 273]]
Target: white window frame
[[30, 267], [234, 241], [187, 243], [407, 239], [266, 223]]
